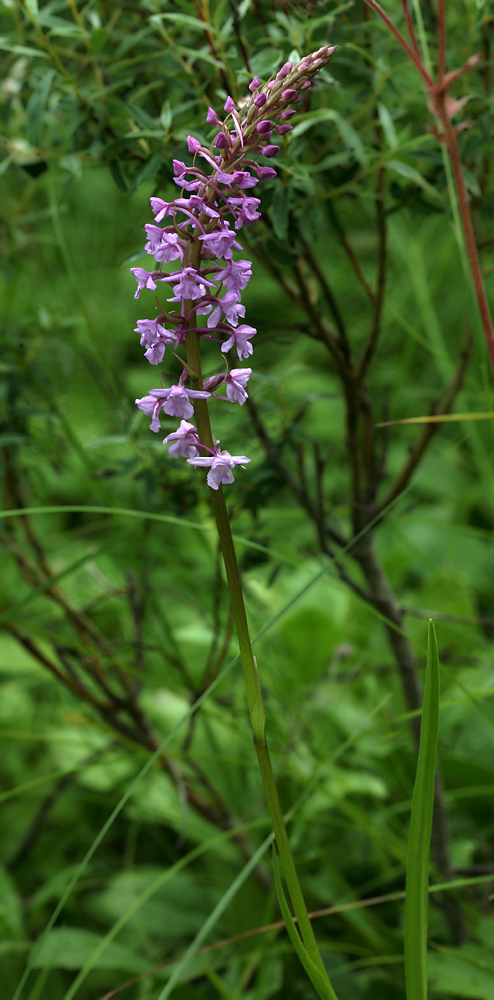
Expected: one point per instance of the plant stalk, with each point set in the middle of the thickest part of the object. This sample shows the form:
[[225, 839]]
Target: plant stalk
[[257, 713]]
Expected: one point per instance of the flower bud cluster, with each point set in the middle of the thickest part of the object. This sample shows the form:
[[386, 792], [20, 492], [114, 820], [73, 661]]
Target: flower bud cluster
[[209, 281]]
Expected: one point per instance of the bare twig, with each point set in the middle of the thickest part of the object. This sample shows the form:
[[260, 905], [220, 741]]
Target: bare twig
[[429, 430]]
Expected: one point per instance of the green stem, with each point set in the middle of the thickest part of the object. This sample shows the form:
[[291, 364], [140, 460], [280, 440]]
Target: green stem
[[257, 714]]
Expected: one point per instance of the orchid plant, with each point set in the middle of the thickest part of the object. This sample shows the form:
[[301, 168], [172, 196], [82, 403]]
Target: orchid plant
[[208, 284]]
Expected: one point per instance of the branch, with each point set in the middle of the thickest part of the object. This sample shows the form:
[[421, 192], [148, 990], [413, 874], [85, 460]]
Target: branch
[[429, 430], [378, 300], [414, 56]]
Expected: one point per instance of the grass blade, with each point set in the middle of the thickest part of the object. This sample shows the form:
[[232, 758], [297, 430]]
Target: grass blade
[[417, 887], [320, 983]]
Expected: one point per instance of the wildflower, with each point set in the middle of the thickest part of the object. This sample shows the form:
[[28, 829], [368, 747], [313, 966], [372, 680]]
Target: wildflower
[[209, 281], [240, 337], [155, 338], [236, 381], [175, 401], [144, 280], [183, 443], [221, 466]]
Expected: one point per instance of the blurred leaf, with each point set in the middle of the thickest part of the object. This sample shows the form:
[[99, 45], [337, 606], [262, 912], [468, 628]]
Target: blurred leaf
[[149, 170], [99, 38], [118, 174], [417, 871], [36, 108], [466, 972], [69, 947], [281, 211]]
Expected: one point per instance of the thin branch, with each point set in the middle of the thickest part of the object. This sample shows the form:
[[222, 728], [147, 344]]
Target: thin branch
[[328, 294], [411, 30], [429, 430], [378, 302], [441, 48], [416, 58]]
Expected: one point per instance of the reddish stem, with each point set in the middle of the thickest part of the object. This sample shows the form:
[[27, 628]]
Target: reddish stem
[[414, 56], [473, 257], [438, 91], [411, 31], [441, 48]]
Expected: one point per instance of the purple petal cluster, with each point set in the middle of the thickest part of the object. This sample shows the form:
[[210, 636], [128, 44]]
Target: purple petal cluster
[[209, 281]]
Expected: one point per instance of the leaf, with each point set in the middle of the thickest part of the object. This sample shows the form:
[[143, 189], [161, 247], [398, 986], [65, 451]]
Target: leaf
[[463, 972], [69, 948], [348, 134], [22, 50], [166, 116], [99, 38], [417, 876], [387, 126], [10, 907], [36, 108], [411, 174], [438, 418], [320, 984], [149, 170], [281, 211], [176, 18], [118, 174]]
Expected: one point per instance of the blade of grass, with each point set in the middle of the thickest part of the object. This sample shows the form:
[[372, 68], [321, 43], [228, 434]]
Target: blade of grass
[[320, 984], [142, 515], [214, 916], [417, 878], [442, 418]]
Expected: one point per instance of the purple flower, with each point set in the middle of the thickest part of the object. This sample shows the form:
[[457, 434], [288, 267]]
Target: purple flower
[[289, 113], [221, 141], [174, 401], [196, 204], [221, 243], [289, 95], [185, 441], [254, 84], [212, 117], [164, 246], [221, 466], [260, 100], [248, 210], [154, 337], [236, 276], [144, 280], [235, 384], [231, 307], [229, 105], [240, 337], [283, 129], [243, 179], [193, 145], [160, 208], [191, 285]]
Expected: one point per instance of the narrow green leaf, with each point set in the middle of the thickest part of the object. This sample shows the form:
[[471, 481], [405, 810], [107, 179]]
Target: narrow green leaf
[[417, 879], [22, 50], [281, 211], [149, 170], [320, 984], [36, 107], [118, 175]]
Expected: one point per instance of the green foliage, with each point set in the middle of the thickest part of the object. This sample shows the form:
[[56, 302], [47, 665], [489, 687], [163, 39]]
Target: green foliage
[[96, 99]]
